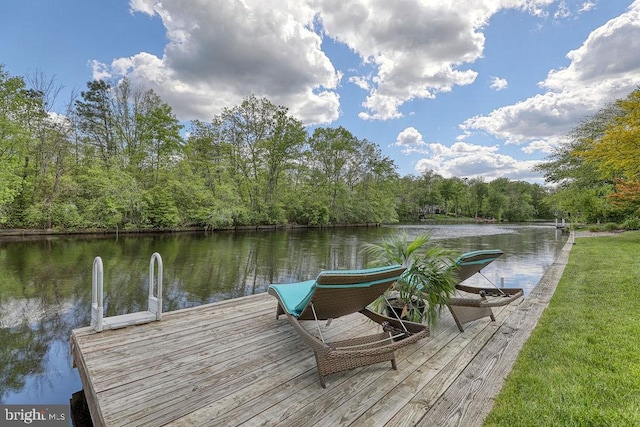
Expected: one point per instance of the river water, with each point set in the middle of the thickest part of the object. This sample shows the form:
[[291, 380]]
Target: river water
[[45, 283]]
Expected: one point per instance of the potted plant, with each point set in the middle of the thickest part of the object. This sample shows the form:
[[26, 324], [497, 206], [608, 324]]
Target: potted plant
[[427, 284]]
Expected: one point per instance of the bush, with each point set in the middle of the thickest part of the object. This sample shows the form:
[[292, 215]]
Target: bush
[[631, 224], [58, 215], [610, 226], [162, 211]]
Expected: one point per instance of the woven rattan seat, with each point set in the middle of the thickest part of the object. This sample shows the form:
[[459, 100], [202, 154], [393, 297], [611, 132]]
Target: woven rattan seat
[[338, 293]]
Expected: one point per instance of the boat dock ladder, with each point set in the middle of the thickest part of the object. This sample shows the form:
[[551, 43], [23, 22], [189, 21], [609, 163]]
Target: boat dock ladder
[[154, 305]]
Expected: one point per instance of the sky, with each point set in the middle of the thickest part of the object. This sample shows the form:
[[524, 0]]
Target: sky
[[465, 88]]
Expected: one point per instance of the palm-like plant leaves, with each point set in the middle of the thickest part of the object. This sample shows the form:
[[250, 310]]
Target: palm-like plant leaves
[[428, 277]]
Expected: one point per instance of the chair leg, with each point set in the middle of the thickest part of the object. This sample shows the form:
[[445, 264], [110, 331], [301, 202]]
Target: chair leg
[[322, 383], [319, 368], [279, 311], [465, 314]]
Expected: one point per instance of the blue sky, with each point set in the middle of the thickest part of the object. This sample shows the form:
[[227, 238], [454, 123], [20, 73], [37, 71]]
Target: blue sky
[[467, 88]]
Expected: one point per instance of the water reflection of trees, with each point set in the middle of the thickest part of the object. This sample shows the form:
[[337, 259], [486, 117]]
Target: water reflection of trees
[[39, 297], [31, 326], [21, 354], [229, 265]]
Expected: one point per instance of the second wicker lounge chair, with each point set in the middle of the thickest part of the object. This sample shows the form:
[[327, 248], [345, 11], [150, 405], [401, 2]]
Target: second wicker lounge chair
[[465, 309], [338, 293]]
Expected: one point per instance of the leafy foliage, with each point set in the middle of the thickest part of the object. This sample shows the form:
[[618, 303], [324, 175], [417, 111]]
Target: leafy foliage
[[428, 277], [597, 171], [500, 199], [118, 159]]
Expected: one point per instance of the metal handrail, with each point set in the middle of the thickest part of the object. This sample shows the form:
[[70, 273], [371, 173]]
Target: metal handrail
[[154, 302]]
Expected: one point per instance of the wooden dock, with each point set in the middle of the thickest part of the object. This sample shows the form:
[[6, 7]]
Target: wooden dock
[[232, 363]]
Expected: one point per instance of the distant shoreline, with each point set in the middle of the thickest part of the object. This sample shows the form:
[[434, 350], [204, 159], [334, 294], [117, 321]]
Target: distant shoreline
[[25, 232]]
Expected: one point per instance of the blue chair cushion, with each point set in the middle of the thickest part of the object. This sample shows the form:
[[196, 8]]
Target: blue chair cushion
[[462, 259], [294, 296]]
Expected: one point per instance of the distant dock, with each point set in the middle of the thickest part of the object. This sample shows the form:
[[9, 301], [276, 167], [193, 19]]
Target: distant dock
[[560, 224], [233, 363]]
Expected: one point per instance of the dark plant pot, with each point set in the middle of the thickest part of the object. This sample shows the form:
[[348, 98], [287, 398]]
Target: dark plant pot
[[396, 307]]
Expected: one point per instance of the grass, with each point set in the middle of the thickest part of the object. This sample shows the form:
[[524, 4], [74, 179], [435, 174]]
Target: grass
[[581, 365]]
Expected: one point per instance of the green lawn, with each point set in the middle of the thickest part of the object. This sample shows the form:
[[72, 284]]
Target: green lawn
[[581, 365]]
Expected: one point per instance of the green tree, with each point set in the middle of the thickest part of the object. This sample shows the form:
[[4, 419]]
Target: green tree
[[519, 202], [350, 177], [452, 191], [208, 171], [409, 198], [282, 150], [479, 191], [159, 135], [496, 202], [372, 185], [15, 102], [615, 153], [96, 122], [252, 148], [585, 169], [50, 154], [331, 152]]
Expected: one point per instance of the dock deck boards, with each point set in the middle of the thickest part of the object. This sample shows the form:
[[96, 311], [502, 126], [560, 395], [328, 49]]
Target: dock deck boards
[[233, 363]]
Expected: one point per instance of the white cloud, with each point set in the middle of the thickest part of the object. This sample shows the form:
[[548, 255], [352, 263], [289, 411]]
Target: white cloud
[[463, 159], [99, 70], [587, 6], [60, 121], [220, 52], [144, 6], [418, 49], [475, 161], [498, 84], [360, 81], [545, 145], [563, 11], [600, 71], [410, 140]]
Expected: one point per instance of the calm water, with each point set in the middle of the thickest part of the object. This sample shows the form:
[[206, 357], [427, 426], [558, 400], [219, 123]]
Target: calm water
[[45, 284]]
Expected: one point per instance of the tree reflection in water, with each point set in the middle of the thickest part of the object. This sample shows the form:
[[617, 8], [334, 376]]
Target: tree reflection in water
[[22, 353]]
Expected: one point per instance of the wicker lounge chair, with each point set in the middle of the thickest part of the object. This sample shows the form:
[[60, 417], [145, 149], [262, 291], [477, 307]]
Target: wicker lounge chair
[[338, 293], [466, 309]]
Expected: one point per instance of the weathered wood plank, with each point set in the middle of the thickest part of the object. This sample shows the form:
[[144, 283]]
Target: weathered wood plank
[[449, 369], [352, 392], [282, 343], [181, 320], [277, 387], [194, 393], [181, 350], [397, 397], [79, 362], [227, 363]]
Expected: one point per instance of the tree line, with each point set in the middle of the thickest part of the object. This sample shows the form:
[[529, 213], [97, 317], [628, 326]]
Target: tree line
[[118, 158], [500, 199]]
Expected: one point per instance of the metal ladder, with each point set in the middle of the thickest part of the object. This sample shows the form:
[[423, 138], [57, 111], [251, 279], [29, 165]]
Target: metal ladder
[[154, 310]]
